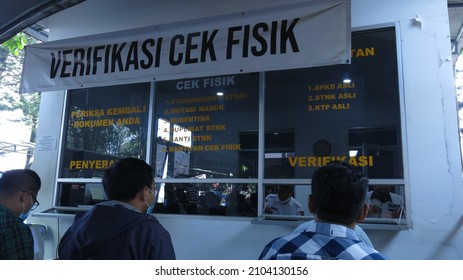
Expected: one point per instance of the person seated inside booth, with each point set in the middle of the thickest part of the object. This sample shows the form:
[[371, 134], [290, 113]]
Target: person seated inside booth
[[283, 202], [384, 203]]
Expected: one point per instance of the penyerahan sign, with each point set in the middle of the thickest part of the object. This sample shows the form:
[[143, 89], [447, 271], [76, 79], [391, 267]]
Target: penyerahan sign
[[307, 34]]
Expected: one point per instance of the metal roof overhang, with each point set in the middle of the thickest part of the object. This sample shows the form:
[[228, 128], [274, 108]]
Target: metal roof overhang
[[18, 15]]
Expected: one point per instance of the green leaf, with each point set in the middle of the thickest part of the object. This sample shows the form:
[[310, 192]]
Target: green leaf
[[16, 43]]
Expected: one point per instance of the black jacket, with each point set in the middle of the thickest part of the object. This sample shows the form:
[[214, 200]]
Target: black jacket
[[115, 233]]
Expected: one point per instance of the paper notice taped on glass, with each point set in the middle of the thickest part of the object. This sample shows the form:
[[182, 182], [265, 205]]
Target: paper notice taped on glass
[[45, 143]]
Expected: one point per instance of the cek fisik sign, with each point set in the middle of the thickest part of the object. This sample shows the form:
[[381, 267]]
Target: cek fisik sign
[[312, 33]]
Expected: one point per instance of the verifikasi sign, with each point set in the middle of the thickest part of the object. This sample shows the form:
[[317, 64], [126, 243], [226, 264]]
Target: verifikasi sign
[[311, 33]]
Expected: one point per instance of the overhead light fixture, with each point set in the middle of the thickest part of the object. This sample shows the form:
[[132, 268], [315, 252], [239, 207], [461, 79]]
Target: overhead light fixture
[[219, 93], [346, 80]]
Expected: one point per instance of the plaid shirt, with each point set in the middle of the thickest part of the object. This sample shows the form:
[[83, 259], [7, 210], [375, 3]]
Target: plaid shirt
[[320, 241], [16, 242]]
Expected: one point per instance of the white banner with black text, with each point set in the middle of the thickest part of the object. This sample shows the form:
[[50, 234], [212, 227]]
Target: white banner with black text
[[306, 34]]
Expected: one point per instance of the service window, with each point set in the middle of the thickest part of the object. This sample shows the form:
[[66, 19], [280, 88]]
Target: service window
[[342, 112], [205, 127], [210, 199], [346, 112], [206, 134], [386, 202], [101, 125]]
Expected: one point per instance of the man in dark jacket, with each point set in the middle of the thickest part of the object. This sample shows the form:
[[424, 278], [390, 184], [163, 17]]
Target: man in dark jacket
[[121, 228]]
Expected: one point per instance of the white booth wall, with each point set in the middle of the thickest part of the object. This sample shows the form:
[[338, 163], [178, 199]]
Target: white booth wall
[[432, 163]]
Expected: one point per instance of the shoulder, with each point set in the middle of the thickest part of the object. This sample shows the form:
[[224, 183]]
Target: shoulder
[[150, 225], [367, 253], [6, 214], [286, 247], [398, 199], [376, 256], [271, 196], [156, 238], [296, 202], [17, 238], [304, 226], [356, 249], [369, 193], [10, 222], [362, 235], [294, 239], [295, 246]]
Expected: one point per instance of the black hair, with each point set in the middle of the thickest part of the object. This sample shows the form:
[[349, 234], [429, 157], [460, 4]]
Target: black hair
[[126, 177], [338, 192], [16, 180], [286, 187]]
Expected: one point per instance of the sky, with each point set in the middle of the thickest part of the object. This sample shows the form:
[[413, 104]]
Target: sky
[[14, 131]]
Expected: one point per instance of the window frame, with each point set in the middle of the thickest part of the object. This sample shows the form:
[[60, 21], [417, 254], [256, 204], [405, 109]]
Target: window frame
[[260, 181]]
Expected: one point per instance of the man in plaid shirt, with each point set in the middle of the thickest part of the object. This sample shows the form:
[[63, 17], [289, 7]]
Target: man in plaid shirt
[[18, 197], [338, 203]]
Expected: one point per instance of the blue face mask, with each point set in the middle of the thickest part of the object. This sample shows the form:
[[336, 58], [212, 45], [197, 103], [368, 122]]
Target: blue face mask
[[23, 216], [151, 207]]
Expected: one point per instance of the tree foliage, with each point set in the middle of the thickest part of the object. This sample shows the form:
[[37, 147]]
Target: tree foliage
[[11, 61], [16, 44]]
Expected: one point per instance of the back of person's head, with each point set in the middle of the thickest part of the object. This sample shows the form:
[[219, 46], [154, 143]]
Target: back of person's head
[[126, 177], [338, 192], [17, 180]]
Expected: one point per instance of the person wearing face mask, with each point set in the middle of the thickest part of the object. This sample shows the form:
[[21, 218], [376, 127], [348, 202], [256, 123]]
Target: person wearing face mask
[[18, 197], [123, 227], [384, 203], [283, 203]]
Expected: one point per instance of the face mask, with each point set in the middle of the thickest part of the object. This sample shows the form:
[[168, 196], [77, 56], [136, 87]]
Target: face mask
[[23, 216], [285, 201], [151, 207]]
